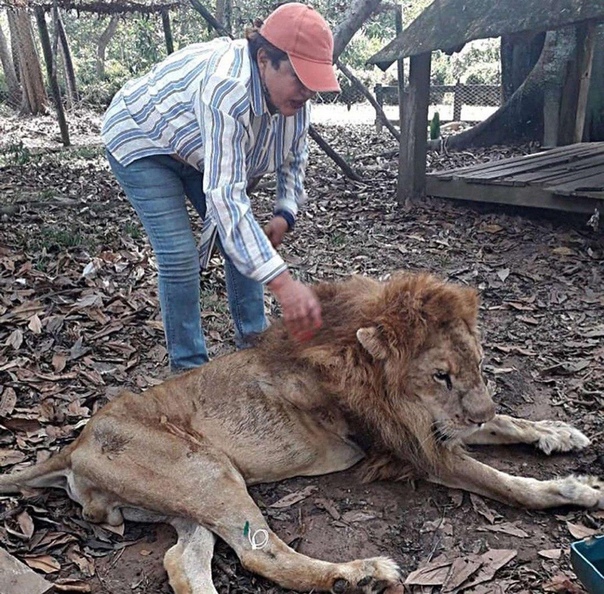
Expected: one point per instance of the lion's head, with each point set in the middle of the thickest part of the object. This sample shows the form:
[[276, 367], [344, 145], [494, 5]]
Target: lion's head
[[404, 358]]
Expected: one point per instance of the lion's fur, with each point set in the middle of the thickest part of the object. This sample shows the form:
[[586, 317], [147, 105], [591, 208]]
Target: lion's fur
[[409, 310]]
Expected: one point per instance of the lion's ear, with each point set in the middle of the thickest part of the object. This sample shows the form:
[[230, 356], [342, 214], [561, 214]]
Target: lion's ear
[[373, 342]]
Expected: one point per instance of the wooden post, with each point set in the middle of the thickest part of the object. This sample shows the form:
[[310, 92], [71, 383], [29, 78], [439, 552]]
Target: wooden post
[[414, 132], [586, 38], [457, 104], [400, 67], [72, 89]]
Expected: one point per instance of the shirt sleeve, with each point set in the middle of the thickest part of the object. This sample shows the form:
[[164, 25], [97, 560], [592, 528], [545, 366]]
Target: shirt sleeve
[[291, 174], [223, 116]]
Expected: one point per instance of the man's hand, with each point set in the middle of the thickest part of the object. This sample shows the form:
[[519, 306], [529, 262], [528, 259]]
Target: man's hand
[[275, 230], [299, 304]]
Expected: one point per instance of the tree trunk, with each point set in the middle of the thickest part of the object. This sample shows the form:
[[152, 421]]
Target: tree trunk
[[167, 27], [34, 100], [224, 10], [103, 42], [10, 75], [519, 54], [521, 118], [51, 70], [72, 90], [357, 13]]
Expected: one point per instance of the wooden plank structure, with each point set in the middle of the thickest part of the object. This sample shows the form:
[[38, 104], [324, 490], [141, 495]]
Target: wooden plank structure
[[449, 24], [569, 178]]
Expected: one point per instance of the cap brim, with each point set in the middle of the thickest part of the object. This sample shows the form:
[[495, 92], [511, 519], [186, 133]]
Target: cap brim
[[317, 77]]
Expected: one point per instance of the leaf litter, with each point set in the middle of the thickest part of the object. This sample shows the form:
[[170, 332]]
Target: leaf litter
[[80, 320]]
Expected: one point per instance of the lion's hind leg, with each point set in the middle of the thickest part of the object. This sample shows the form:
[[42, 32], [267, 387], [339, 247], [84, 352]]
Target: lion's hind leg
[[189, 562], [240, 523], [178, 475], [547, 436]]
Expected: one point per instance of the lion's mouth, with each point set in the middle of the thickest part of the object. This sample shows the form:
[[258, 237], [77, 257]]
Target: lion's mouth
[[449, 435]]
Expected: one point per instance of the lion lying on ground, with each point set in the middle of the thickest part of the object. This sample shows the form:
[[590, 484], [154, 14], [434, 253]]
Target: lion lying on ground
[[393, 378]]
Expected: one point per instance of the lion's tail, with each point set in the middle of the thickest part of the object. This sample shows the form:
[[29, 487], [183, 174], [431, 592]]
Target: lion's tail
[[50, 473]]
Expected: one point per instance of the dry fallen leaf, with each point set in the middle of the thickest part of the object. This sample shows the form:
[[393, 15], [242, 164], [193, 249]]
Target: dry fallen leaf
[[44, 563], [432, 574], [462, 569], [579, 531], [293, 498], [550, 553], [26, 524], [563, 251], [562, 584], [480, 507], [35, 325], [506, 528], [8, 457], [15, 339], [7, 402]]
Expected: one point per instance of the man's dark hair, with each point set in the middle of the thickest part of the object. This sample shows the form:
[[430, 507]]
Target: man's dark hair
[[257, 42]]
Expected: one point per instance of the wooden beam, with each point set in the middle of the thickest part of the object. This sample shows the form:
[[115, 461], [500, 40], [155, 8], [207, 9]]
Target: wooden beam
[[586, 38], [339, 161], [528, 196], [414, 134], [380, 115]]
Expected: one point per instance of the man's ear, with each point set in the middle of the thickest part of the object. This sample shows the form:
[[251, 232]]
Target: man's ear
[[262, 57], [372, 340]]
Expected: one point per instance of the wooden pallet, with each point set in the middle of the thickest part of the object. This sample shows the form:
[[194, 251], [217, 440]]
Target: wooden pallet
[[569, 178]]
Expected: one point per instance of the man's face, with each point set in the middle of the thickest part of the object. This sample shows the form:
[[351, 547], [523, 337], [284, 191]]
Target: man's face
[[285, 90]]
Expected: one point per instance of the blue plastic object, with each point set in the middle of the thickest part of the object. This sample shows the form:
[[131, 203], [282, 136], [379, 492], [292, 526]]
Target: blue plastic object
[[587, 559]]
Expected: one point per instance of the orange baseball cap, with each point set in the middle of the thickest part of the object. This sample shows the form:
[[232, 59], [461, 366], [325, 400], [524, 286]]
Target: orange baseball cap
[[304, 35]]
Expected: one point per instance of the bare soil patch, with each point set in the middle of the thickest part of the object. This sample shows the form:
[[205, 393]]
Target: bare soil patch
[[79, 320]]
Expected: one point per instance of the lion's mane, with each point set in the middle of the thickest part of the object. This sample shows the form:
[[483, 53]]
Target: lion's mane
[[408, 310]]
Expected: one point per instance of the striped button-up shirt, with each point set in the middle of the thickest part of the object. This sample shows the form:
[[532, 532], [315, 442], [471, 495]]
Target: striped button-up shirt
[[205, 104]]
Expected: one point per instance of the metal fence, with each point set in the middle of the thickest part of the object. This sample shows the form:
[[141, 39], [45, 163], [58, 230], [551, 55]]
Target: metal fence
[[457, 95]]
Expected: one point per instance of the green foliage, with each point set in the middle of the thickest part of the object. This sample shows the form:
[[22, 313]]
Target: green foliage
[[133, 230], [360, 48], [52, 239], [15, 153]]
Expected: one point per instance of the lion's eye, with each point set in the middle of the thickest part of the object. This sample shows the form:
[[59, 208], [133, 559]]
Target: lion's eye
[[444, 378]]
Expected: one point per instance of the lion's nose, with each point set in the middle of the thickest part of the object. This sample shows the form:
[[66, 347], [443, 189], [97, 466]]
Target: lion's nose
[[480, 412]]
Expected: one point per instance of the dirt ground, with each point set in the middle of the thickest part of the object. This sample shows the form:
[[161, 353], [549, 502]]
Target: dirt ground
[[79, 320]]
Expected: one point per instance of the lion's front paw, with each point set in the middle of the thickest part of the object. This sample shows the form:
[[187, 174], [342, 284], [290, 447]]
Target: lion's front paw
[[556, 436], [583, 490], [368, 576]]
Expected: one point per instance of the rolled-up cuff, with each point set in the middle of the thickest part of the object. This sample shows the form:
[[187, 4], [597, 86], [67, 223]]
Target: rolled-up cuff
[[269, 270], [288, 216]]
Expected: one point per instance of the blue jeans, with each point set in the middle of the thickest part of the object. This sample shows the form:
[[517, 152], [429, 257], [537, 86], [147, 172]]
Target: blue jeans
[[157, 188]]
